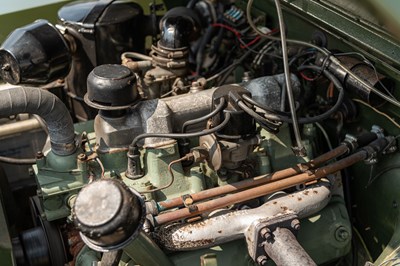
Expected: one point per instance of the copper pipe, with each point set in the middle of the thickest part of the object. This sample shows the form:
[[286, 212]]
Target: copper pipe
[[260, 190], [256, 181], [336, 152]]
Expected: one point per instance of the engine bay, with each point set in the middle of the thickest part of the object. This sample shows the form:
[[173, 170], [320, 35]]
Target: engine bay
[[200, 133]]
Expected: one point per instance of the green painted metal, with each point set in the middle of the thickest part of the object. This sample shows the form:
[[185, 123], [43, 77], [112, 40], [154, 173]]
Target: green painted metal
[[278, 149], [144, 251], [377, 190], [156, 162], [59, 177], [87, 257]]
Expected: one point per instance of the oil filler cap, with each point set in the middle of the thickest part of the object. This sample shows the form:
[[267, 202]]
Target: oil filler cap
[[108, 214], [111, 87]]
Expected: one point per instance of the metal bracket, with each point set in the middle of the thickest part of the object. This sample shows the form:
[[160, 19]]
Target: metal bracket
[[188, 202]]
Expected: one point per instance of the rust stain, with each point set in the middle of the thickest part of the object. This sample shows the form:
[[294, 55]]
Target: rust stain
[[75, 244], [299, 199]]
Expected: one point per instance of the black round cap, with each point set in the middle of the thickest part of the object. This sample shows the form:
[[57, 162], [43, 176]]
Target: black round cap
[[111, 87]]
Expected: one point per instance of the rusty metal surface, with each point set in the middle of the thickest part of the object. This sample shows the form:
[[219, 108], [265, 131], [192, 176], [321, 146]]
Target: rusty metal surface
[[233, 225], [256, 181], [261, 190], [284, 249], [336, 152]]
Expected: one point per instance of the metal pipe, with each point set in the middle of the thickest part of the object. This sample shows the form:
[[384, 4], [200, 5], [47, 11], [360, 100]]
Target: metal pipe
[[299, 149], [18, 127], [285, 250], [336, 152], [252, 182], [45, 104], [261, 190], [233, 225]]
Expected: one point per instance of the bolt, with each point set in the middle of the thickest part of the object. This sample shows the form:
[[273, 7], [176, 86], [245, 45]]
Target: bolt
[[266, 233], [295, 224], [39, 155], [262, 260], [342, 234], [82, 157]]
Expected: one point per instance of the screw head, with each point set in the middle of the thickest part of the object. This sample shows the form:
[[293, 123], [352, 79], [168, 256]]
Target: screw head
[[342, 234]]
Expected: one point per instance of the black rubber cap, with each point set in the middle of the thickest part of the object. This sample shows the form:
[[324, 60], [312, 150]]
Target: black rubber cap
[[111, 87]]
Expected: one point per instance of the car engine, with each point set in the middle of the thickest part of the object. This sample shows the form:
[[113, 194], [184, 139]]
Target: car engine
[[200, 133]]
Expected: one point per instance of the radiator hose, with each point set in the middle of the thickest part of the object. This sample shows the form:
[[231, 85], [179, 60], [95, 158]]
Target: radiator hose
[[45, 104]]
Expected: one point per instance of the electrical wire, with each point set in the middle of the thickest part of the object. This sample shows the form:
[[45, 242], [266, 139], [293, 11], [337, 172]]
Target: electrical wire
[[260, 55], [362, 243], [228, 70], [248, 99], [377, 111], [238, 35], [317, 118], [184, 158], [369, 63], [323, 131], [10, 160], [254, 27], [133, 145], [365, 84], [218, 109], [300, 149], [270, 126], [323, 51]]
